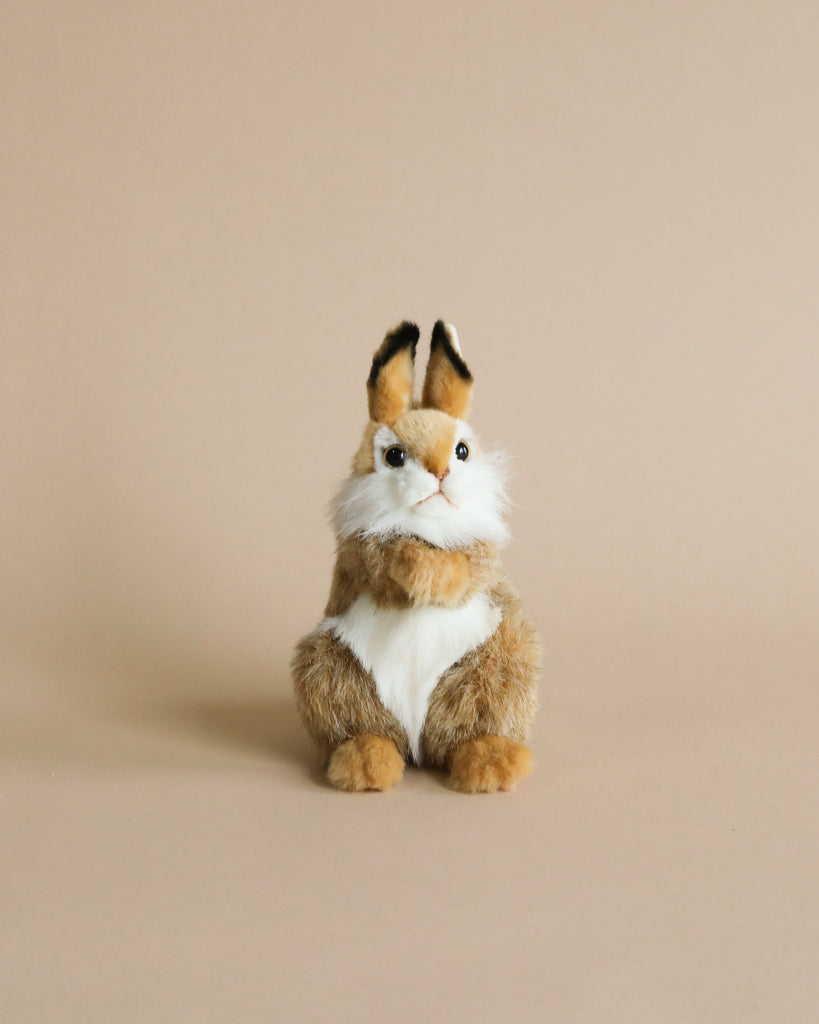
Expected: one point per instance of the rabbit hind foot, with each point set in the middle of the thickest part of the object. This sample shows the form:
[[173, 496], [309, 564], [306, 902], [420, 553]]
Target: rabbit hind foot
[[365, 762], [487, 764]]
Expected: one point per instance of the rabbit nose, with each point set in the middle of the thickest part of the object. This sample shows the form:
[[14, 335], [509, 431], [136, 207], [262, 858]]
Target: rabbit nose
[[442, 475]]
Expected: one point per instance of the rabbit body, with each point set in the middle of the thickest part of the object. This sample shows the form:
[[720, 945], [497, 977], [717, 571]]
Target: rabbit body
[[424, 652]]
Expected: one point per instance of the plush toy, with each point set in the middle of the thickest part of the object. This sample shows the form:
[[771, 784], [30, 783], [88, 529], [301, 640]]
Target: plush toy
[[424, 653]]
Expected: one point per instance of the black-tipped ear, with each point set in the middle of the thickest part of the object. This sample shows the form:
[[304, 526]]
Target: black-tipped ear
[[444, 336], [389, 386], [448, 382]]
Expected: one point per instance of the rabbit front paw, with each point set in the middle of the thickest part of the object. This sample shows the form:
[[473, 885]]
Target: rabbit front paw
[[432, 576]]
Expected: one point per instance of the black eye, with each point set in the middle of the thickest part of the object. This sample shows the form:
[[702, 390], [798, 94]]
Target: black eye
[[394, 457], [462, 451]]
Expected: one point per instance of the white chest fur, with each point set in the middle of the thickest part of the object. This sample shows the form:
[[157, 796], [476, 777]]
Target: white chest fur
[[408, 649]]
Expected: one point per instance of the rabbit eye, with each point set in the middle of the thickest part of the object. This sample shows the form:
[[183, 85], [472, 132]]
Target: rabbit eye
[[394, 457], [462, 451]]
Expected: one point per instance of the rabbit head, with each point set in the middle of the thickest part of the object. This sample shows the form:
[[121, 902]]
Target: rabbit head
[[420, 470]]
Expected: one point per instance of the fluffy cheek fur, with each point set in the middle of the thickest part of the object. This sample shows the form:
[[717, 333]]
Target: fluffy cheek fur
[[401, 502]]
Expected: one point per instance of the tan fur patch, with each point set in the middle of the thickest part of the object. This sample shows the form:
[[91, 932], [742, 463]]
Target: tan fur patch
[[487, 764], [444, 388], [430, 575], [429, 436], [365, 762]]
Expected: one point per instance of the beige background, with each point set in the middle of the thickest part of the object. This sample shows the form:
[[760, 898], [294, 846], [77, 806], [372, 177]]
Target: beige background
[[211, 213]]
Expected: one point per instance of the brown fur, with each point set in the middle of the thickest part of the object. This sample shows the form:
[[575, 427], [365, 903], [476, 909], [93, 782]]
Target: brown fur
[[402, 571], [365, 762], [336, 696], [491, 690], [431, 576], [487, 764]]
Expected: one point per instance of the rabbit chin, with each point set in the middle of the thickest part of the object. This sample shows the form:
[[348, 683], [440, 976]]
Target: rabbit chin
[[383, 504]]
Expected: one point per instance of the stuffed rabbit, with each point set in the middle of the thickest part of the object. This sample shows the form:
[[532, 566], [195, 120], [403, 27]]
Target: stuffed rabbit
[[424, 653]]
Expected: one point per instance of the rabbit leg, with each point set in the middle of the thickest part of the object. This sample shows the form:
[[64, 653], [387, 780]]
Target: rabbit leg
[[482, 707], [339, 706]]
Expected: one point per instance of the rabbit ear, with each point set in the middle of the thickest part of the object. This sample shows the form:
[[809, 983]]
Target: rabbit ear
[[389, 386], [448, 382]]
